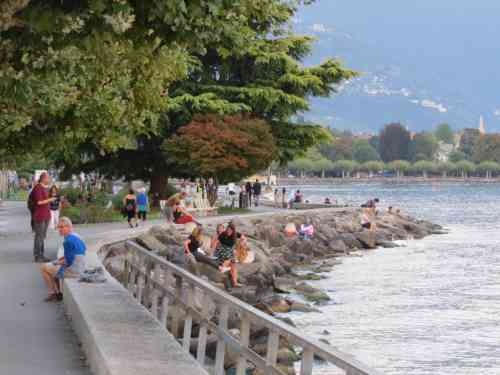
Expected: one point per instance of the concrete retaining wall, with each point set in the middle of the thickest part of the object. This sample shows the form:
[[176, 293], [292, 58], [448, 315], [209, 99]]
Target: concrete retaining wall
[[119, 336]]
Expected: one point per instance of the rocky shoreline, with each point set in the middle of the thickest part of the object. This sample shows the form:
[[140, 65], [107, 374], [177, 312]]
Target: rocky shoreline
[[282, 265]]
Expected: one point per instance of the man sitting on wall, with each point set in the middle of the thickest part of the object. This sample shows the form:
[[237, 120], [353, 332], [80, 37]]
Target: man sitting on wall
[[71, 265]]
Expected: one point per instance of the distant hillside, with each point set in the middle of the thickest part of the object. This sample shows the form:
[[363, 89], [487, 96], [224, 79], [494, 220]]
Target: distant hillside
[[422, 63]]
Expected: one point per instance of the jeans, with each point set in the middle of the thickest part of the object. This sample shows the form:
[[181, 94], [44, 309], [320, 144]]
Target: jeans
[[257, 199], [40, 228]]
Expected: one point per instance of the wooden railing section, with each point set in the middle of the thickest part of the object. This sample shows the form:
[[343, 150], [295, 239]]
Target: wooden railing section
[[177, 298]]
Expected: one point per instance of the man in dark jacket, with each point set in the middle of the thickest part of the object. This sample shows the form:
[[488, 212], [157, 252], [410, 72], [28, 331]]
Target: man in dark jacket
[[248, 188], [257, 189]]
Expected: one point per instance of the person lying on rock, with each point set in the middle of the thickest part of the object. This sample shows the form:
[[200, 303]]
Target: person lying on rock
[[193, 247], [71, 265], [225, 252], [306, 231]]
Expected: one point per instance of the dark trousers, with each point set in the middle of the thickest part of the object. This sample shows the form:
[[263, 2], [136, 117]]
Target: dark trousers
[[142, 215], [40, 229]]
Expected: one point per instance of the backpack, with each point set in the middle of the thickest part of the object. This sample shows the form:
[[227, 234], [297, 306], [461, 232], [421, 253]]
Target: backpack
[[31, 201]]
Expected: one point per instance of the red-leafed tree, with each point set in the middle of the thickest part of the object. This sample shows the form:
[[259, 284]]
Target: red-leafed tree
[[228, 148]]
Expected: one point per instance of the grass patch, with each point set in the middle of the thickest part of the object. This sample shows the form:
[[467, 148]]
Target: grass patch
[[223, 211]]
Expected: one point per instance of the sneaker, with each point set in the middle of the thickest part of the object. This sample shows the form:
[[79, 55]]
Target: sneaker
[[59, 297], [51, 298], [41, 259]]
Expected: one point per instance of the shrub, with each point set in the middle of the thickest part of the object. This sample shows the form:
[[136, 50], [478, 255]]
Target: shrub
[[89, 214], [71, 194]]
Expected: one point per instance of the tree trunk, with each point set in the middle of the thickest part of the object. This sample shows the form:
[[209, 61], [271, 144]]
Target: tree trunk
[[343, 174], [269, 172], [370, 174], [445, 174], [425, 174], [158, 190], [322, 173]]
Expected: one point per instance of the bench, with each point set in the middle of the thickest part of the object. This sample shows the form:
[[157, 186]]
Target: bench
[[201, 207]]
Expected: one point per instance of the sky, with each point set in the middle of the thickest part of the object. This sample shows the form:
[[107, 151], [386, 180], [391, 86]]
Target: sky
[[449, 48]]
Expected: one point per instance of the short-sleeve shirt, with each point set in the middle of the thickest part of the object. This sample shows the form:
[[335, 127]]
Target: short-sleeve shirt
[[142, 199], [41, 212], [54, 205], [225, 240], [73, 247]]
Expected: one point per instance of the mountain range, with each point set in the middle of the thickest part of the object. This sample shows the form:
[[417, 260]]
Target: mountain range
[[422, 62]]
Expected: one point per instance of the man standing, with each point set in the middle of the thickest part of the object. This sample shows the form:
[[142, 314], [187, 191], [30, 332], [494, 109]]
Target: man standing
[[248, 188], [257, 189], [41, 215]]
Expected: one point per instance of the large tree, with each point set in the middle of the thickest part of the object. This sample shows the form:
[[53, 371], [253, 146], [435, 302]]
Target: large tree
[[103, 84], [228, 148], [424, 147], [444, 133], [487, 148], [362, 151], [394, 143]]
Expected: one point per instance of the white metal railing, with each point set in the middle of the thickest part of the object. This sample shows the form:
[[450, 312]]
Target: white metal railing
[[170, 294]]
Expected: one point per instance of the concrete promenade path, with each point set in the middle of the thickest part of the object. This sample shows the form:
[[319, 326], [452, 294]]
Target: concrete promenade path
[[35, 336]]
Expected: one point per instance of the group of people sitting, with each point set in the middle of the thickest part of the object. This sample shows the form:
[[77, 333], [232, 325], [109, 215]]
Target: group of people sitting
[[227, 247]]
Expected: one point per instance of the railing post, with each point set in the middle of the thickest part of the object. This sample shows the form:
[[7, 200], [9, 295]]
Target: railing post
[[140, 288], [177, 312], [188, 322], [244, 341], [202, 337], [272, 349], [165, 299], [221, 346], [155, 293], [307, 361]]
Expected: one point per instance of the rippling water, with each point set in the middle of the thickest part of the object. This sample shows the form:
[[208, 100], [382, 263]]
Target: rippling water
[[432, 307]]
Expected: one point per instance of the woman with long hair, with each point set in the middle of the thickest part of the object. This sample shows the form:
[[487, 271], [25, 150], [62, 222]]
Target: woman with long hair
[[130, 205], [55, 207], [225, 252]]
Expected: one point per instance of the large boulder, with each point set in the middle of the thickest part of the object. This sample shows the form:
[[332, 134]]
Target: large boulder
[[367, 239]]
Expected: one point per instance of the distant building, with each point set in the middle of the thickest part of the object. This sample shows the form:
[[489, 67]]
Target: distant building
[[482, 127], [444, 151]]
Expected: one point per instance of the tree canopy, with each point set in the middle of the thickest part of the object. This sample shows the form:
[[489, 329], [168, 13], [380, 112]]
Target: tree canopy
[[394, 143], [444, 133], [103, 84]]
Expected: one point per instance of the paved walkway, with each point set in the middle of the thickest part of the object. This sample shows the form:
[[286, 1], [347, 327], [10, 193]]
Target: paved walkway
[[35, 337]]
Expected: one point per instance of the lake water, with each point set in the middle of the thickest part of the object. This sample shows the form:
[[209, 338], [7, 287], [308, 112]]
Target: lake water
[[432, 307]]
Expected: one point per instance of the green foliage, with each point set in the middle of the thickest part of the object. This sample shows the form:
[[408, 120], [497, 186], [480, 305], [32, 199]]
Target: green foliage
[[71, 194], [487, 148], [399, 166], [394, 143], [362, 151], [100, 85], [426, 146], [345, 167], [456, 156], [424, 166], [90, 214], [312, 161], [444, 133], [373, 166], [446, 167], [465, 167], [468, 142], [488, 168]]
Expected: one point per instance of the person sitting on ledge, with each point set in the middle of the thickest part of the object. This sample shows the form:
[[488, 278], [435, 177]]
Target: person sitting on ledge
[[328, 201], [225, 252], [182, 217], [192, 246], [299, 197], [71, 265], [366, 219], [171, 203]]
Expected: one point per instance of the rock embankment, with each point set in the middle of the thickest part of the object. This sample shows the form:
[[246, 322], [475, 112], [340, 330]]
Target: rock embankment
[[284, 264], [281, 265]]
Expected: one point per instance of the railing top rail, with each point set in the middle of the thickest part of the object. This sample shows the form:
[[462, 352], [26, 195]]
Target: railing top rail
[[335, 356]]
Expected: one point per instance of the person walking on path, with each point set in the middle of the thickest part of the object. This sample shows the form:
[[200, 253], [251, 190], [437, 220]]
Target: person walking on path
[[142, 204], [130, 204], [71, 265], [248, 188], [257, 190], [41, 215], [55, 207]]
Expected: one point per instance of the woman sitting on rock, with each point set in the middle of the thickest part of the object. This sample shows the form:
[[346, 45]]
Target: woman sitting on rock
[[225, 252], [367, 219], [193, 246]]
